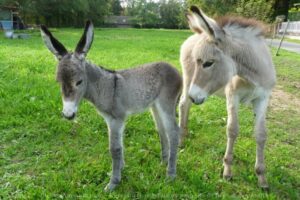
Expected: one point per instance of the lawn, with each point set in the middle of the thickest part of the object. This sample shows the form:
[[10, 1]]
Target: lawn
[[43, 156]]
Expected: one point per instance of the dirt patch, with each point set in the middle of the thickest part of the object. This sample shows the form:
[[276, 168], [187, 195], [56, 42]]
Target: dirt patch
[[281, 101], [297, 85]]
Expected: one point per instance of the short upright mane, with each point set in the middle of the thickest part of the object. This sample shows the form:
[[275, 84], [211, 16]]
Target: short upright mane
[[242, 23]]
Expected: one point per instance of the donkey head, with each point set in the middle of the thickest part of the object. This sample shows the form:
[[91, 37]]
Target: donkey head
[[213, 68], [71, 68]]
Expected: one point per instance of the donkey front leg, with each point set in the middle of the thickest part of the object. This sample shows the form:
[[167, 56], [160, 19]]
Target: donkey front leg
[[232, 133], [185, 104], [116, 127], [185, 101], [184, 109], [260, 106], [167, 115]]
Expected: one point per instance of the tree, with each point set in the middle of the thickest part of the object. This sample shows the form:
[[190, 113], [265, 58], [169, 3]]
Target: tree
[[116, 7], [61, 12], [170, 13], [157, 14], [281, 7], [98, 10], [182, 20], [215, 7], [259, 9], [146, 14]]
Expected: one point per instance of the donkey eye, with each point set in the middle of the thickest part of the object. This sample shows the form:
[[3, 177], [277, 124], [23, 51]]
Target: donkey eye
[[208, 64], [78, 82]]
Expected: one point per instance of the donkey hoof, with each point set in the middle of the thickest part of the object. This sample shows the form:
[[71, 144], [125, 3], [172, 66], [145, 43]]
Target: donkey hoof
[[164, 162], [265, 188], [171, 177], [184, 134], [227, 177], [110, 187], [181, 143], [122, 165]]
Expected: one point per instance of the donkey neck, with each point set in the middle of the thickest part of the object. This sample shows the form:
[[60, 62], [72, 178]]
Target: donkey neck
[[101, 85], [248, 63]]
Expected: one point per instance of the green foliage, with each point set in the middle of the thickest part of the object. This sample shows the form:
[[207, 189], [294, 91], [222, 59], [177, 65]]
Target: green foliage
[[294, 14], [265, 10], [215, 7], [62, 13], [170, 13], [43, 156], [146, 14], [161, 14], [288, 69], [259, 9], [116, 7]]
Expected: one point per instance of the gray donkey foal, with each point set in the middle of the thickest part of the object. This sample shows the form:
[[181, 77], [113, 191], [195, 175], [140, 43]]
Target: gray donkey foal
[[117, 94]]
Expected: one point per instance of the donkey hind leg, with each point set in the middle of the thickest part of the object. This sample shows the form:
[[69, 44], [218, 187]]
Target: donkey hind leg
[[167, 115], [116, 128], [162, 135], [260, 107], [232, 133]]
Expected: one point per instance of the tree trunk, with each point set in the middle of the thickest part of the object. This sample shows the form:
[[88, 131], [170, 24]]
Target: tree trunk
[[282, 8]]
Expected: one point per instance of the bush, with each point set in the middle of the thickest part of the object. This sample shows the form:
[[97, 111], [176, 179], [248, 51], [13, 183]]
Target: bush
[[259, 9], [294, 14]]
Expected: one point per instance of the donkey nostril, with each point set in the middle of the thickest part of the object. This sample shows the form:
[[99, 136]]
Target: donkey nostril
[[193, 100], [201, 100], [197, 101], [71, 117]]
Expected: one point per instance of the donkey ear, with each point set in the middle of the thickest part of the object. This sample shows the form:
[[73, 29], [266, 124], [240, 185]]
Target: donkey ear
[[52, 43], [199, 22], [86, 40]]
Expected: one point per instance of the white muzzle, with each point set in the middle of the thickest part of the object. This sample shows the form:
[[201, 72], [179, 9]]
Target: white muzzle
[[69, 110], [197, 94]]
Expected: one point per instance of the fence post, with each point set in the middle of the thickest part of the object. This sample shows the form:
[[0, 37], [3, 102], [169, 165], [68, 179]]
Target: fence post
[[287, 25]]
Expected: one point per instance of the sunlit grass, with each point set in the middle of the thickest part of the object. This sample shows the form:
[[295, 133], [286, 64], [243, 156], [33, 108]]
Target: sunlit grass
[[44, 156]]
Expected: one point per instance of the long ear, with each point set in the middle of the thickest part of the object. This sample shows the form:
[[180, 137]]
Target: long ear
[[52, 43], [199, 22], [86, 40]]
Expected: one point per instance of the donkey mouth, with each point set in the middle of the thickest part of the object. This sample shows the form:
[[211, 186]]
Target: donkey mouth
[[197, 101], [71, 117]]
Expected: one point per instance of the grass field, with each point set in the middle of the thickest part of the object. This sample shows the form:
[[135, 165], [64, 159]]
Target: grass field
[[43, 156]]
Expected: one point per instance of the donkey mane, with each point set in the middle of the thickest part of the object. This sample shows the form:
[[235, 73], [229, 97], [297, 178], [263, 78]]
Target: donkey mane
[[101, 67], [244, 23]]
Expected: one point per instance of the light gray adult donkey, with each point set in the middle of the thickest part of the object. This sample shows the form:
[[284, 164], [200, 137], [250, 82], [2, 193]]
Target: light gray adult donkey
[[117, 94], [228, 56]]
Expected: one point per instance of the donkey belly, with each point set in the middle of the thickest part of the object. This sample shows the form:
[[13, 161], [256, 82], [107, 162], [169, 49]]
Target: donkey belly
[[138, 103], [247, 96], [138, 109], [220, 92], [138, 95], [246, 91]]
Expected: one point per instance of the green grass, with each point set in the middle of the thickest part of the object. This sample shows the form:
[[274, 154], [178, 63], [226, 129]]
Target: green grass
[[288, 71], [287, 39], [292, 40], [43, 156]]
